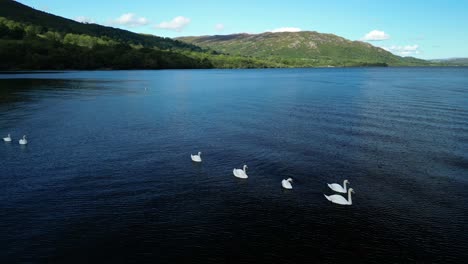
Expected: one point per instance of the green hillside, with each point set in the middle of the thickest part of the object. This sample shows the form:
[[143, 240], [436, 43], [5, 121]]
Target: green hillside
[[18, 12], [34, 40], [305, 48]]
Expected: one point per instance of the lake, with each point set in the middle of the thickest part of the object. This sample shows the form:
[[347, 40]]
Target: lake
[[107, 175]]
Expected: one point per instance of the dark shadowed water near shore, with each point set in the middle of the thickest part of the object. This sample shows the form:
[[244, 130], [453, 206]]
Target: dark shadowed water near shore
[[107, 175]]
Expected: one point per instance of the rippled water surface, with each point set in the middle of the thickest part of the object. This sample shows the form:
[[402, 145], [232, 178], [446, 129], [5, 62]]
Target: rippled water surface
[[107, 175]]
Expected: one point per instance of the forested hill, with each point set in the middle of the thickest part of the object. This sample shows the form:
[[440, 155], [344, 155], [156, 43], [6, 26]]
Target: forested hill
[[18, 12], [304, 48], [34, 40]]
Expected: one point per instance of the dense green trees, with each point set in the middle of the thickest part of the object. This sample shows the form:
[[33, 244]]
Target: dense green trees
[[19, 13], [25, 46], [32, 47], [35, 40], [44, 54]]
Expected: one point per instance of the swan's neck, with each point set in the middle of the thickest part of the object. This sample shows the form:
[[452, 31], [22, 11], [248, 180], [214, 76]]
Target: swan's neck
[[245, 168], [344, 185], [350, 201]]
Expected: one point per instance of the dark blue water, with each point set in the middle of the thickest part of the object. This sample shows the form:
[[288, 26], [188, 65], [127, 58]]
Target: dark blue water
[[107, 175]]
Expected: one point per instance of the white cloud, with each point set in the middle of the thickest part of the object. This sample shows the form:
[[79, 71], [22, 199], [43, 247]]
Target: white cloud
[[130, 20], [219, 27], [376, 35], [407, 50], [285, 29], [177, 24], [83, 19]]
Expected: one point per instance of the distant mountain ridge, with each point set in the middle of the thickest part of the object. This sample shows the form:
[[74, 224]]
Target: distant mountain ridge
[[453, 61], [303, 48]]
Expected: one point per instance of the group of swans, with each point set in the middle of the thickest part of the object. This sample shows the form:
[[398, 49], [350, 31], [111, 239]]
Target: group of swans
[[22, 141], [242, 173], [338, 199]]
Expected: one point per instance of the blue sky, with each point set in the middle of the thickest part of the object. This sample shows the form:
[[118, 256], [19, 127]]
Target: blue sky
[[424, 29]]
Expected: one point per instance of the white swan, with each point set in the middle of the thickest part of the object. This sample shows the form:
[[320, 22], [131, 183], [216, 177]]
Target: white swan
[[23, 141], [287, 183], [241, 173], [7, 139], [338, 199], [196, 158], [337, 188]]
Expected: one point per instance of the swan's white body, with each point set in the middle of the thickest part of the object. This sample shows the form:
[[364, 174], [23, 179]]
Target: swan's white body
[[241, 173], [338, 188], [338, 199], [196, 158], [287, 183], [7, 139], [23, 141]]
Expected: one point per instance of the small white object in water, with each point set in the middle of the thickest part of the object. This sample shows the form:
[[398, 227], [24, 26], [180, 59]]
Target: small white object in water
[[7, 139], [241, 173], [338, 199], [196, 158], [23, 141], [338, 188], [287, 183]]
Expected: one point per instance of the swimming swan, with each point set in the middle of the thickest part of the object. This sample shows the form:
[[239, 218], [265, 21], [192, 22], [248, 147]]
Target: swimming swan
[[287, 183], [338, 199], [241, 173], [23, 141], [196, 158], [7, 139], [337, 188]]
